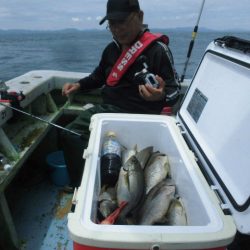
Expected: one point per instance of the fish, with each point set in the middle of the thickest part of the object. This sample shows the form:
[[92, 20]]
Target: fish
[[176, 214], [156, 170], [156, 203], [110, 220], [144, 155], [130, 184], [107, 201], [152, 157], [127, 153]]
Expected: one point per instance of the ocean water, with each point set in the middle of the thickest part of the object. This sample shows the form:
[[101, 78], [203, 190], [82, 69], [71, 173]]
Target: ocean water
[[80, 51]]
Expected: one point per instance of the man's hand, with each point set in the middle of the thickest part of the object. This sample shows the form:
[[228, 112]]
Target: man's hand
[[69, 88], [149, 93]]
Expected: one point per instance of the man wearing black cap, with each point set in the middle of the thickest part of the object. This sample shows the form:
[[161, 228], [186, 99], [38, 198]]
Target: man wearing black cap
[[122, 73]]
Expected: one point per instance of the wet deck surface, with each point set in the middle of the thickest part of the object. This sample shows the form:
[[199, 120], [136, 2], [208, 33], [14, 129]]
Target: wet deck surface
[[40, 216]]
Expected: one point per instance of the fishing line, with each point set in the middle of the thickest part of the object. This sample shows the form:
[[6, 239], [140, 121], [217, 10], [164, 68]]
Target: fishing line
[[40, 119], [191, 45]]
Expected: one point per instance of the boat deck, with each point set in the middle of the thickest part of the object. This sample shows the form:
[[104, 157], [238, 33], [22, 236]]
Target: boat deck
[[23, 139], [39, 210]]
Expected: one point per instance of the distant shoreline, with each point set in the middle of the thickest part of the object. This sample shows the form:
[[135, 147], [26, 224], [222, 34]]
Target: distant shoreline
[[181, 29]]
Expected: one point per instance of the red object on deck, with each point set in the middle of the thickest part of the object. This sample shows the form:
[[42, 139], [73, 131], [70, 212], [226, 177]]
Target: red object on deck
[[167, 111]]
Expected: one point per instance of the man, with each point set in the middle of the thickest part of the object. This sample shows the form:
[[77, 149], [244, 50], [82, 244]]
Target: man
[[121, 74]]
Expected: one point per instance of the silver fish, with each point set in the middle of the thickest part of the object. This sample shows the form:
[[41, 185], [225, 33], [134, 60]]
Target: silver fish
[[176, 214], [144, 155], [127, 153], [130, 184], [156, 171], [107, 201], [152, 157], [156, 203]]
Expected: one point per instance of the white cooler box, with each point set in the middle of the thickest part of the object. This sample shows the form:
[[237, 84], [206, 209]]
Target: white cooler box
[[208, 149]]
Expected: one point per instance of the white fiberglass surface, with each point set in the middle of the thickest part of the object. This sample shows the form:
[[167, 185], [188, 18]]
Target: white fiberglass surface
[[144, 133]]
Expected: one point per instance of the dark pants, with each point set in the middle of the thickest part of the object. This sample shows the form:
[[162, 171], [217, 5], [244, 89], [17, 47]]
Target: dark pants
[[73, 145]]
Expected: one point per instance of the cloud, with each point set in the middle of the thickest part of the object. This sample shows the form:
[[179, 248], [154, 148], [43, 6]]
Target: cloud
[[4, 12], [76, 19], [158, 14]]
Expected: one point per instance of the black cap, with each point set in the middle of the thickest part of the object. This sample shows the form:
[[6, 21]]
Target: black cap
[[120, 9]]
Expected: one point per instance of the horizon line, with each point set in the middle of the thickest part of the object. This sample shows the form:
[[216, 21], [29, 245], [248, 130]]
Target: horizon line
[[152, 28]]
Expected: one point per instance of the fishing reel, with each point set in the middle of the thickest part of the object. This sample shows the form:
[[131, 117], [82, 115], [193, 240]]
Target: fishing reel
[[144, 76], [12, 97]]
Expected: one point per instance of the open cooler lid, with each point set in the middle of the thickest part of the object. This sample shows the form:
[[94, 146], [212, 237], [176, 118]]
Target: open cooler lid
[[216, 115]]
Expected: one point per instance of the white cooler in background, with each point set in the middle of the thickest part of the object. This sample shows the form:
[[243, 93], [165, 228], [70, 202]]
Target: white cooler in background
[[208, 146]]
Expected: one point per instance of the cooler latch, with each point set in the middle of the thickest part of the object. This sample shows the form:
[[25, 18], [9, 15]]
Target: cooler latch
[[182, 130], [224, 206], [86, 153], [185, 137]]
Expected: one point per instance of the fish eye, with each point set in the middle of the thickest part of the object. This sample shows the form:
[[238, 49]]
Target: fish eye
[[124, 168]]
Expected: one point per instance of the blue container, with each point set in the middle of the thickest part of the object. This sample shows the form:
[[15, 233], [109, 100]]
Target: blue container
[[58, 170]]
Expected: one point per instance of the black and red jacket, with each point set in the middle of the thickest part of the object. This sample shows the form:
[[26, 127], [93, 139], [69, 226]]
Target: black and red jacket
[[125, 94]]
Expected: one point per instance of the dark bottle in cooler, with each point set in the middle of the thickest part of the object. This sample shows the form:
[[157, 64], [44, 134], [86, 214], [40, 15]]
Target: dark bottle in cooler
[[110, 159]]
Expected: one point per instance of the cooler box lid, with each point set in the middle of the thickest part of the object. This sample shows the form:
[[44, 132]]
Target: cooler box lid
[[216, 115]]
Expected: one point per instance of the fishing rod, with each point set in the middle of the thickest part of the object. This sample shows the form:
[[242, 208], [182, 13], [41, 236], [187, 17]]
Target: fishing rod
[[191, 45], [40, 119]]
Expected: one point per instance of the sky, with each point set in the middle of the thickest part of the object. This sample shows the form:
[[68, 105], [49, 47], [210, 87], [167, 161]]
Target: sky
[[85, 14]]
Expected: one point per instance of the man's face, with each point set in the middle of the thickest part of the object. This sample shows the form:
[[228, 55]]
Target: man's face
[[126, 31]]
